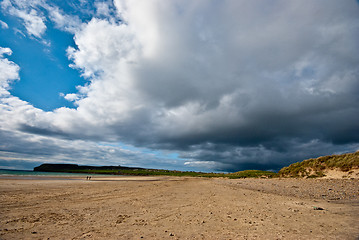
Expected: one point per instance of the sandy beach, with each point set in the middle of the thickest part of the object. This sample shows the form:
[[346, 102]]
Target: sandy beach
[[178, 208]]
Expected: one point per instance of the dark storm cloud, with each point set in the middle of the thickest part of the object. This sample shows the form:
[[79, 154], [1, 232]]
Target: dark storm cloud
[[235, 158]]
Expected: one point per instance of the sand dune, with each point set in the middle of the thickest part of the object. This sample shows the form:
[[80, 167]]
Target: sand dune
[[179, 208]]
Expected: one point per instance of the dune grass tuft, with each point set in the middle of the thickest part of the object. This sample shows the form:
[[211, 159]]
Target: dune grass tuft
[[315, 167]]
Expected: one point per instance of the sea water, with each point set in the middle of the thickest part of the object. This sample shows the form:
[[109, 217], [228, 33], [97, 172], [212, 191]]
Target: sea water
[[34, 175], [8, 172]]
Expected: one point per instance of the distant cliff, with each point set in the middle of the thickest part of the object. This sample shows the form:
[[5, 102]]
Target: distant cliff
[[47, 167]]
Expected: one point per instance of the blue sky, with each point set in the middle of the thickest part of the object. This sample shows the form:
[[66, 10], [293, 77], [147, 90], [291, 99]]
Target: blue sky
[[44, 66], [204, 85]]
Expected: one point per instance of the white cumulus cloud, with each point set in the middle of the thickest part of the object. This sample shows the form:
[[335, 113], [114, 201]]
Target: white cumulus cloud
[[33, 20], [9, 71]]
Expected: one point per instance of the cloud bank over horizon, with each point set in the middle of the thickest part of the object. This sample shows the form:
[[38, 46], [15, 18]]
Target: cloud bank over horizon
[[203, 85]]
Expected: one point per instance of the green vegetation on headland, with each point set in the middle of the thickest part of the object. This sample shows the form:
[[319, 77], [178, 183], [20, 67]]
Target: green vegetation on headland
[[119, 170], [316, 167], [310, 168]]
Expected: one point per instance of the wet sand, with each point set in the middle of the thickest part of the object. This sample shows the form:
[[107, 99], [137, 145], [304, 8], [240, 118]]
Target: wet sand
[[178, 208]]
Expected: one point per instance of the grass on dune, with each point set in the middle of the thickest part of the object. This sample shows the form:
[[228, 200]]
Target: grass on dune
[[315, 167]]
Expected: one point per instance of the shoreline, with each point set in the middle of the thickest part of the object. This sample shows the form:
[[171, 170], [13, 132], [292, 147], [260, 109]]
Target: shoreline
[[94, 177]]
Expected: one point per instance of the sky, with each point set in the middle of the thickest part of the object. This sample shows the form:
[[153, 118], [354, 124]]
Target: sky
[[202, 85]]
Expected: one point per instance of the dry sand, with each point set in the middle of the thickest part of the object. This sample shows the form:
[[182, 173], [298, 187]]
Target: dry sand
[[178, 208]]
